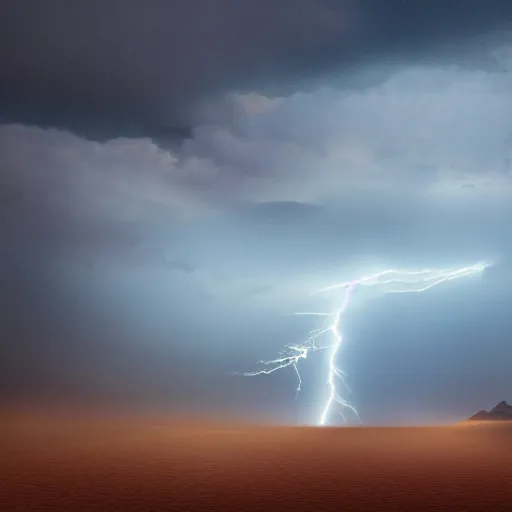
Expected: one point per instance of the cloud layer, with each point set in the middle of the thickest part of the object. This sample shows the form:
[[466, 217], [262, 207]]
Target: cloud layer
[[189, 255], [425, 137]]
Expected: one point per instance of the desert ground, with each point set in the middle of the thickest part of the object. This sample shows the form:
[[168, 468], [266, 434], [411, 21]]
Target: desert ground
[[59, 462]]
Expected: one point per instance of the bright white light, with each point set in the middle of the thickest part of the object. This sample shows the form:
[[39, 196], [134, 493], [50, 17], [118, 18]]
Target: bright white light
[[388, 281]]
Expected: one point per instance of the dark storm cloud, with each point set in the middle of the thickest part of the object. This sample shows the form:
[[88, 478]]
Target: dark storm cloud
[[110, 67], [310, 164], [321, 139], [129, 62]]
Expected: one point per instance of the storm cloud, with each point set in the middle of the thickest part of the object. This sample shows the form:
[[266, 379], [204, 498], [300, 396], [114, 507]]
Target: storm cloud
[[434, 140], [173, 184], [110, 67]]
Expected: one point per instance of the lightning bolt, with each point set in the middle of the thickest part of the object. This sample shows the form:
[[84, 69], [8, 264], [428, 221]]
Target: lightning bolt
[[387, 281]]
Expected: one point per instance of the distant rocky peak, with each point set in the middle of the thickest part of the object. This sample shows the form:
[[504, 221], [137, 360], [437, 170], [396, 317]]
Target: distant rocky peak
[[503, 407], [502, 411]]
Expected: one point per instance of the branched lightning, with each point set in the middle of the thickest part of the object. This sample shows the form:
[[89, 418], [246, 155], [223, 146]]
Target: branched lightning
[[388, 281]]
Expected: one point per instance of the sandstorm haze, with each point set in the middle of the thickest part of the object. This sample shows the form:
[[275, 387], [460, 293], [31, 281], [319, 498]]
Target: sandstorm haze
[[177, 177]]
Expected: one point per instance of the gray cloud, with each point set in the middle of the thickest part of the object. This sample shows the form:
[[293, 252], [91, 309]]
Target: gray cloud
[[145, 64], [427, 138], [109, 67], [195, 249]]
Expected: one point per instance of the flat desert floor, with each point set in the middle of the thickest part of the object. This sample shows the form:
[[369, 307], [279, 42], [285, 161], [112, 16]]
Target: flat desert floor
[[79, 464]]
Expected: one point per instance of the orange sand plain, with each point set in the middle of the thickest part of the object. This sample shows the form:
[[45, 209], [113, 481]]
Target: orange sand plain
[[122, 464]]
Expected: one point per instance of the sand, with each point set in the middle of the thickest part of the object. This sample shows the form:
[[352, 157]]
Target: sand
[[131, 464]]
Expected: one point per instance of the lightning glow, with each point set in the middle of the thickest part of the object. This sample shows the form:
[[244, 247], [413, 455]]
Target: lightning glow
[[387, 281]]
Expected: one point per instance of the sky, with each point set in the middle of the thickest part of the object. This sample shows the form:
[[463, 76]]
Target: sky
[[176, 178]]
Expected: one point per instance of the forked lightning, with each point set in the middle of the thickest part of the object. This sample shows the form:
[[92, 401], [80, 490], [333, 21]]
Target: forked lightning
[[387, 281]]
